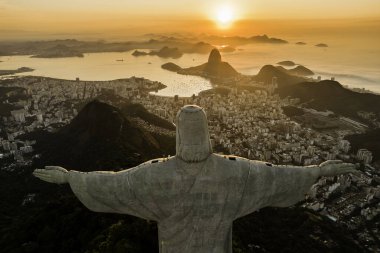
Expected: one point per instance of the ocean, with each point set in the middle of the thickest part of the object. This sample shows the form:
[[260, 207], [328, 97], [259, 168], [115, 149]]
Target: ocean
[[352, 62]]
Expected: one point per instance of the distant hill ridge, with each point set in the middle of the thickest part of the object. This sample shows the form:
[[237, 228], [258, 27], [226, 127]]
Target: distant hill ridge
[[323, 95]]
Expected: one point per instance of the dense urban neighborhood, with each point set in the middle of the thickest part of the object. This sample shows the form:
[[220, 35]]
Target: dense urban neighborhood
[[254, 124]]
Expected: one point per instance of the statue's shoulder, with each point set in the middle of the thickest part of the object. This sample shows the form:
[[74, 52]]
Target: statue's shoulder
[[153, 164], [157, 162], [231, 160], [150, 171]]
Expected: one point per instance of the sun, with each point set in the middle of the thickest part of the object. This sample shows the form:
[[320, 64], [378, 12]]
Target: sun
[[224, 16]]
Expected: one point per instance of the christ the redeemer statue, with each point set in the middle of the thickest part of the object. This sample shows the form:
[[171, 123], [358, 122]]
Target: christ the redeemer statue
[[195, 195]]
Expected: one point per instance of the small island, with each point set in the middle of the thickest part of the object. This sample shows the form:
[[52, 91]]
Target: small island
[[171, 67], [15, 71], [265, 39], [286, 63], [321, 45], [301, 43], [138, 53], [214, 68], [165, 52]]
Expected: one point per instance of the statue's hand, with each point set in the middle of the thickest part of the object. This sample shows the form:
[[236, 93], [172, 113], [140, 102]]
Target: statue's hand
[[332, 168], [52, 174]]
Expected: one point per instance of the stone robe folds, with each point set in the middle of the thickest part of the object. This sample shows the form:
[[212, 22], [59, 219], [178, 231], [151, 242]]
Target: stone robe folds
[[194, 211]]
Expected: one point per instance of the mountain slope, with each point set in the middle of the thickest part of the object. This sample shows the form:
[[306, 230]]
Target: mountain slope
[[213, 68], [331, 95], [100, 137], [284, 79]]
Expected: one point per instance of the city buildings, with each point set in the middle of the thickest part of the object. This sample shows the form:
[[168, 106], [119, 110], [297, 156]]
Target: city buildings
[[251, 124]]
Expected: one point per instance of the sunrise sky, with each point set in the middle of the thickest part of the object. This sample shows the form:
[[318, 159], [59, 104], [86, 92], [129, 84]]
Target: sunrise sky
[[99, 15]]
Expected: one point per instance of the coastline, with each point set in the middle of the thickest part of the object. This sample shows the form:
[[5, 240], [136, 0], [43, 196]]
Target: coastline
[[106, 69], [163, 86]]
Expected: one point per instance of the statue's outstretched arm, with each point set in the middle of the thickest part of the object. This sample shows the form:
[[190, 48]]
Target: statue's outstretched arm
[[292, 183], [282, 186], [52, 174], [332, 168], [105, 191]]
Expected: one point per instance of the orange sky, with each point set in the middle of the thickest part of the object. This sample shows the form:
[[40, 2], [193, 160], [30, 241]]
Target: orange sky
[[141, 16]]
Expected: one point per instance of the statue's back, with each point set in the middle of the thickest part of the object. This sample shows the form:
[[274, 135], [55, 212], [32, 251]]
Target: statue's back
[[196, 202]]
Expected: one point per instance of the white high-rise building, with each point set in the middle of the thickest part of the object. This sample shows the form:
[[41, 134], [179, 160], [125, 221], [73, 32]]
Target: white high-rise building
[[364, 155], [19, 115], [344, 145], [40, 118]]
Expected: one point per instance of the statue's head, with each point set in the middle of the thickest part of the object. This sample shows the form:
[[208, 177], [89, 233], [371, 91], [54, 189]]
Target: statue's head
[[193, 139]]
